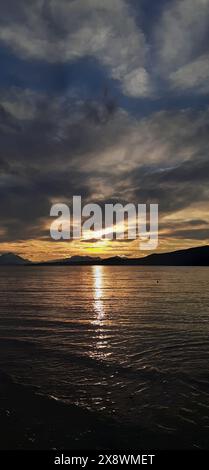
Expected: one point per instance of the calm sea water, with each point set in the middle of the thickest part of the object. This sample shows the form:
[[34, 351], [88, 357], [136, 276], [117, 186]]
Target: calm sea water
[[132, 342]]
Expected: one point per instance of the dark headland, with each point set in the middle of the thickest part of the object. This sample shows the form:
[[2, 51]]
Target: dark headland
[[198, 256]]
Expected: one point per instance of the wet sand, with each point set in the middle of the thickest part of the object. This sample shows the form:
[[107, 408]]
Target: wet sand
[[29, 420]]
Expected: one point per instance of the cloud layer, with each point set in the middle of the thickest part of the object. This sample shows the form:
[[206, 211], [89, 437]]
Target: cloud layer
[[130, 124]]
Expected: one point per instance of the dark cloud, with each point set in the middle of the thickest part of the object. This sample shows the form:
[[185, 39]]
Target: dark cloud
[[194, 234], [55, 145], [79, 163]]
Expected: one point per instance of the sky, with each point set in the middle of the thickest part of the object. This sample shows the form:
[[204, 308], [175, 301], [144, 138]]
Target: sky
[[108, 100]]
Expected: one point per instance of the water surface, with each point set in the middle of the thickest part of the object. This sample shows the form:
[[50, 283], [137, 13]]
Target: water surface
[[130, 342]]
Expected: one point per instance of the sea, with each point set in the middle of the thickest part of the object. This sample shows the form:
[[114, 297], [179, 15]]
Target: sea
[[131, 343]]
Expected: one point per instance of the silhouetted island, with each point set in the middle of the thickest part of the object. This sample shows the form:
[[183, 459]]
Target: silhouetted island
[[198, 256]]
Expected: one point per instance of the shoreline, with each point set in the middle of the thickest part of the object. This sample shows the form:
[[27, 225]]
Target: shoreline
[[30, 420]]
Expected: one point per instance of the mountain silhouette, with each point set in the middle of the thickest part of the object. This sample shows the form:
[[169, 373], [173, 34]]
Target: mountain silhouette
[[198, 256], [10, 259]]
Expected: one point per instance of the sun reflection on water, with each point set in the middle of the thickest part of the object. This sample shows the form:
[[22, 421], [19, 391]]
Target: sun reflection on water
[[100, 347], [98, 293]]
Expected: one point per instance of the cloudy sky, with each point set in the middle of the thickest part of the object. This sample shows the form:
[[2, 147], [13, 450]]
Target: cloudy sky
[[107, 100]]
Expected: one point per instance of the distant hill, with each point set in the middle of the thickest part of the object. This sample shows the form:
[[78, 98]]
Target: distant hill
[[73, 261], [82, 260], [10, 259], [190, 257]]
